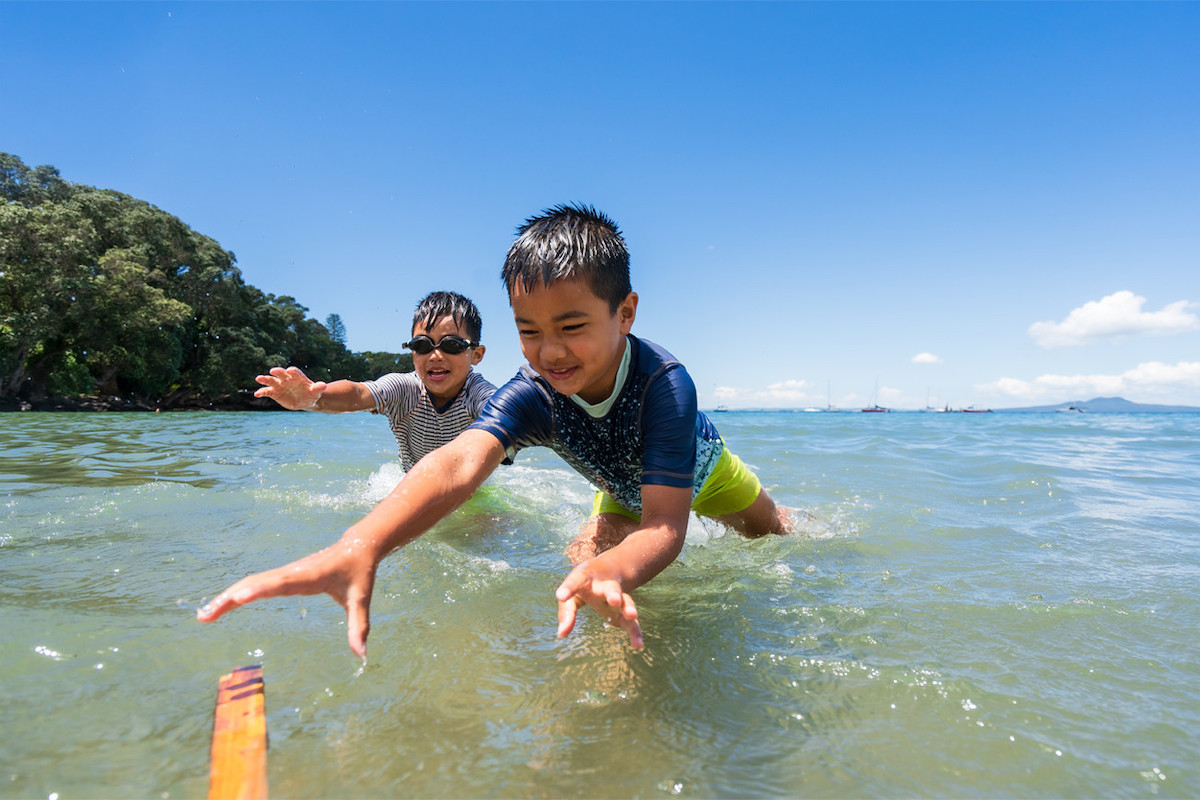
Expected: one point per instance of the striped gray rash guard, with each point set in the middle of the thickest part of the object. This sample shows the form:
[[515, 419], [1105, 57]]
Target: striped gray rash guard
[[420, 426]]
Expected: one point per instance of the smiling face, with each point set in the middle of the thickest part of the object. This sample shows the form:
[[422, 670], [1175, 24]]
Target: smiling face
[[570, 336], [443, 374]]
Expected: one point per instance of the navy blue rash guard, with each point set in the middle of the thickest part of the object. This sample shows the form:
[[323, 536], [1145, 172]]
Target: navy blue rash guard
[[653, 434]]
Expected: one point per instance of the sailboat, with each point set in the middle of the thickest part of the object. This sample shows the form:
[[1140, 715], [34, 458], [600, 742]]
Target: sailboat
[[828, 401], [875, 408]]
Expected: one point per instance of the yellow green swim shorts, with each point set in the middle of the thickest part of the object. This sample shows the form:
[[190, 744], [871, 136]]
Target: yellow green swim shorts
[[730, 488]]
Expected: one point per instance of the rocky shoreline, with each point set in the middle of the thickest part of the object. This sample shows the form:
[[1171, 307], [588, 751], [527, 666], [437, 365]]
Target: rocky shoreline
[[87, 403]]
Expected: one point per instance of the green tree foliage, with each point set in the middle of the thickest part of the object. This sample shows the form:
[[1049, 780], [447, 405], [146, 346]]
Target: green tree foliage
[[44, 270], [100, 292], [337, 328], [383, 363], [30, 187]]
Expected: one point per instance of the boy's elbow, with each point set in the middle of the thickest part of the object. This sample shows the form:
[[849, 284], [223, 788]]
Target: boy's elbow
[[678, 536], [670, 533], [667, 510]]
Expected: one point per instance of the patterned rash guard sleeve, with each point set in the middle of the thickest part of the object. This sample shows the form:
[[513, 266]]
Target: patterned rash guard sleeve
[[669, 425], [519, 414]]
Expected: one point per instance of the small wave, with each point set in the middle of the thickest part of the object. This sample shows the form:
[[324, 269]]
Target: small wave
[[381, 482]]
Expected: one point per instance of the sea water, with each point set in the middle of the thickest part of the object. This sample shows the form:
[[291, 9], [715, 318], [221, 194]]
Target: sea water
[[975, 605]]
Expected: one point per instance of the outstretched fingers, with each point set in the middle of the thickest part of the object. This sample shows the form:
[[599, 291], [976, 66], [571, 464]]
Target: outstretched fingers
[[275, 379], [227, 600], [606, 598], [289, 387], [346, 576], [566, 616], [280, 582], [358, 623]]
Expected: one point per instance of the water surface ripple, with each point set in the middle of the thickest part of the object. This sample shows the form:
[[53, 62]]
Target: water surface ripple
[[974, 606]]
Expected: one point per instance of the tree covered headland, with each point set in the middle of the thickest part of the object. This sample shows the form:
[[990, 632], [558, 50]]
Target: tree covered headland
[[105, 295]]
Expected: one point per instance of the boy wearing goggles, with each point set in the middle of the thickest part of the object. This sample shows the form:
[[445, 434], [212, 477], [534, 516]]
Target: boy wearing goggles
[[426, 408], [620, 410]]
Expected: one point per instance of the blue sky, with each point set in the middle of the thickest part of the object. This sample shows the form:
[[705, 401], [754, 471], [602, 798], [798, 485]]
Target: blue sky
[[989, 204]]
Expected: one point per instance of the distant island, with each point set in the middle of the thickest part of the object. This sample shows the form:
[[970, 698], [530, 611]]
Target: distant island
[[1107, 405], [1097, 405]]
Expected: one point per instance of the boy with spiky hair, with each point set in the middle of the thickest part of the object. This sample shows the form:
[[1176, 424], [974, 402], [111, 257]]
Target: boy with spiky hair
[[427, 407], [620, 410]]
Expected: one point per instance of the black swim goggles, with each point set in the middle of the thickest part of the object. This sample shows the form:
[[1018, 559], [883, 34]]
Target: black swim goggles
[[450, 345]]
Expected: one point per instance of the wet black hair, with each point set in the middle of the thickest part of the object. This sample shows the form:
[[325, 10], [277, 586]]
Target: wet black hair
[[449, 304], [570, 241]]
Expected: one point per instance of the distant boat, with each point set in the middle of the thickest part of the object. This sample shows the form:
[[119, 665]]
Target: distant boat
[[875, 408], [828, 399], [974, 410], [722, 408], [928, 409]]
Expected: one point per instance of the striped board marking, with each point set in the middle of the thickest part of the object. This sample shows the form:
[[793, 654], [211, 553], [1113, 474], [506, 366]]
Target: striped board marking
[[239, 743]]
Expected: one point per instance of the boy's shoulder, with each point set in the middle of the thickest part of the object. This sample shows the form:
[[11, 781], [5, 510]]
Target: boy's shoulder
[[476, 392], [647, 352], [395, 379], [654, 360], [476, 382], [523, 391], [395, 393], [527, 380]]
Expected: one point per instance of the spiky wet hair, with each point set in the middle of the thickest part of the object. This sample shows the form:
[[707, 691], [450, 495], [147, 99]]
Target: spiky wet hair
[[449, 304], [565, 242]]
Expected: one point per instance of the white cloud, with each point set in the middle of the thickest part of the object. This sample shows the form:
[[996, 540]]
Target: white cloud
[[1152, 382], [802, 394], [785, 394], [724, 394], [788, 388], [1118, 315], [926, 358]]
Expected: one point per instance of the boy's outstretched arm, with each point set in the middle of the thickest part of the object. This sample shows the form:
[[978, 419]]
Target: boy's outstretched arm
[[293, 390], [439, 483], [604, 582]]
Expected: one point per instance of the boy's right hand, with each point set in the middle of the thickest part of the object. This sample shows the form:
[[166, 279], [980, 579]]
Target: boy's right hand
[[584, 587], [291, 388], [344, 571]]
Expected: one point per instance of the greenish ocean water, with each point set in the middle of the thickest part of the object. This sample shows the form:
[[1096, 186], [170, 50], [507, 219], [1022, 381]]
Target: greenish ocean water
[[983, 605]]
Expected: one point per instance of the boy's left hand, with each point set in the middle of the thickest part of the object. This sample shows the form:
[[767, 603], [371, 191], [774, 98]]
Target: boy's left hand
[[344, 571], [604, 595], [291, 388]]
